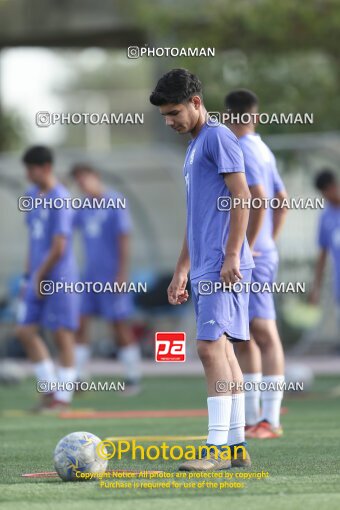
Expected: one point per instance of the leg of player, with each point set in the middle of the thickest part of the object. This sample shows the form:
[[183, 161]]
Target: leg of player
[[218, 374], [43, 365], [236, 436], [249, 357], [129, 355], [82, 348], [267, 338], [66, 372]]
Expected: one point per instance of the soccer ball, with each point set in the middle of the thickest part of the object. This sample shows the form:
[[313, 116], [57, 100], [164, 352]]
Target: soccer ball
[[77, 452]]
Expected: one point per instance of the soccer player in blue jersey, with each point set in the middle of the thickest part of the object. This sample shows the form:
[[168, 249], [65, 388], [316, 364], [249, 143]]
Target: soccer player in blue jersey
[[329, 234], [50, 257], [261, 359], [106, 233], [214, 249]]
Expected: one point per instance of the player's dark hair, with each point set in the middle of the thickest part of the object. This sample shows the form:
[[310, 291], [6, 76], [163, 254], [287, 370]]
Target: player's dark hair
[[324, 179], [176, 86], [37, 155], [241, 101], [82, 168]]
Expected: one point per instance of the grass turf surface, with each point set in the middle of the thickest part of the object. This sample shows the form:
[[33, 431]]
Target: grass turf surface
[[303, 465]]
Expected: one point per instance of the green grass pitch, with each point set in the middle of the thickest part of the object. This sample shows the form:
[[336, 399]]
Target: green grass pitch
[[303, 465]]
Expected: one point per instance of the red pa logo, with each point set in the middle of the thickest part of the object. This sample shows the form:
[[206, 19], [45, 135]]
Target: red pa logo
[[170, 346]]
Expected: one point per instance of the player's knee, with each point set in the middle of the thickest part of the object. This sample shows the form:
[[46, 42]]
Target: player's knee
[[261, 333], [205, 352], [266, 342], [81, 336], [18, 332], [22, 333]]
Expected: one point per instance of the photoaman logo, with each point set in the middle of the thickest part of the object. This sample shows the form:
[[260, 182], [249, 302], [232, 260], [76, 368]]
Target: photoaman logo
[[108, 450]]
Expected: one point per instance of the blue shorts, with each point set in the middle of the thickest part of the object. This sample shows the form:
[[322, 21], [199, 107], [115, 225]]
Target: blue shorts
[[221, 312], [261, 304], [110, 306], [53, 312]]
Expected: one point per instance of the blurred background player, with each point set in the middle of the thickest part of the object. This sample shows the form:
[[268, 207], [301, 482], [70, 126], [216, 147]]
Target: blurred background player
[[106, 237], [329, 234], [261, 359], [50, 257], [214, 248]]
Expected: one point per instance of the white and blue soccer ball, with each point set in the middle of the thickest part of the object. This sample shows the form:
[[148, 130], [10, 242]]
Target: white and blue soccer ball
[[77, 452]]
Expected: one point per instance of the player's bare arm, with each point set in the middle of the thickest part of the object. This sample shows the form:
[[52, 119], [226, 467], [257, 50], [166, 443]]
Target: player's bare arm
[[314, 296], [279, 214], [177, 294], [239, 215], [24, 279], [256, 215], [27, 265], [123, 258], [54, 255]]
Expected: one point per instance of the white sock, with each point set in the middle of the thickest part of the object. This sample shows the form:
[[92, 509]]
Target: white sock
[[271, 400], [82, 357], [252, 397], [44, 371], [130, 357], [219, 411], [65, 375], [237, 420]]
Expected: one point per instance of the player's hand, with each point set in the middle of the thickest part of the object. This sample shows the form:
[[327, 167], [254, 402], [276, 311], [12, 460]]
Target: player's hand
[[177, 294], [230, 272], [314, 296]]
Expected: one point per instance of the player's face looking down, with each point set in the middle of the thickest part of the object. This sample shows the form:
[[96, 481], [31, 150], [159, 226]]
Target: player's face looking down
[[182, 117], [38, 174], [332, 193], [88, 182]]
